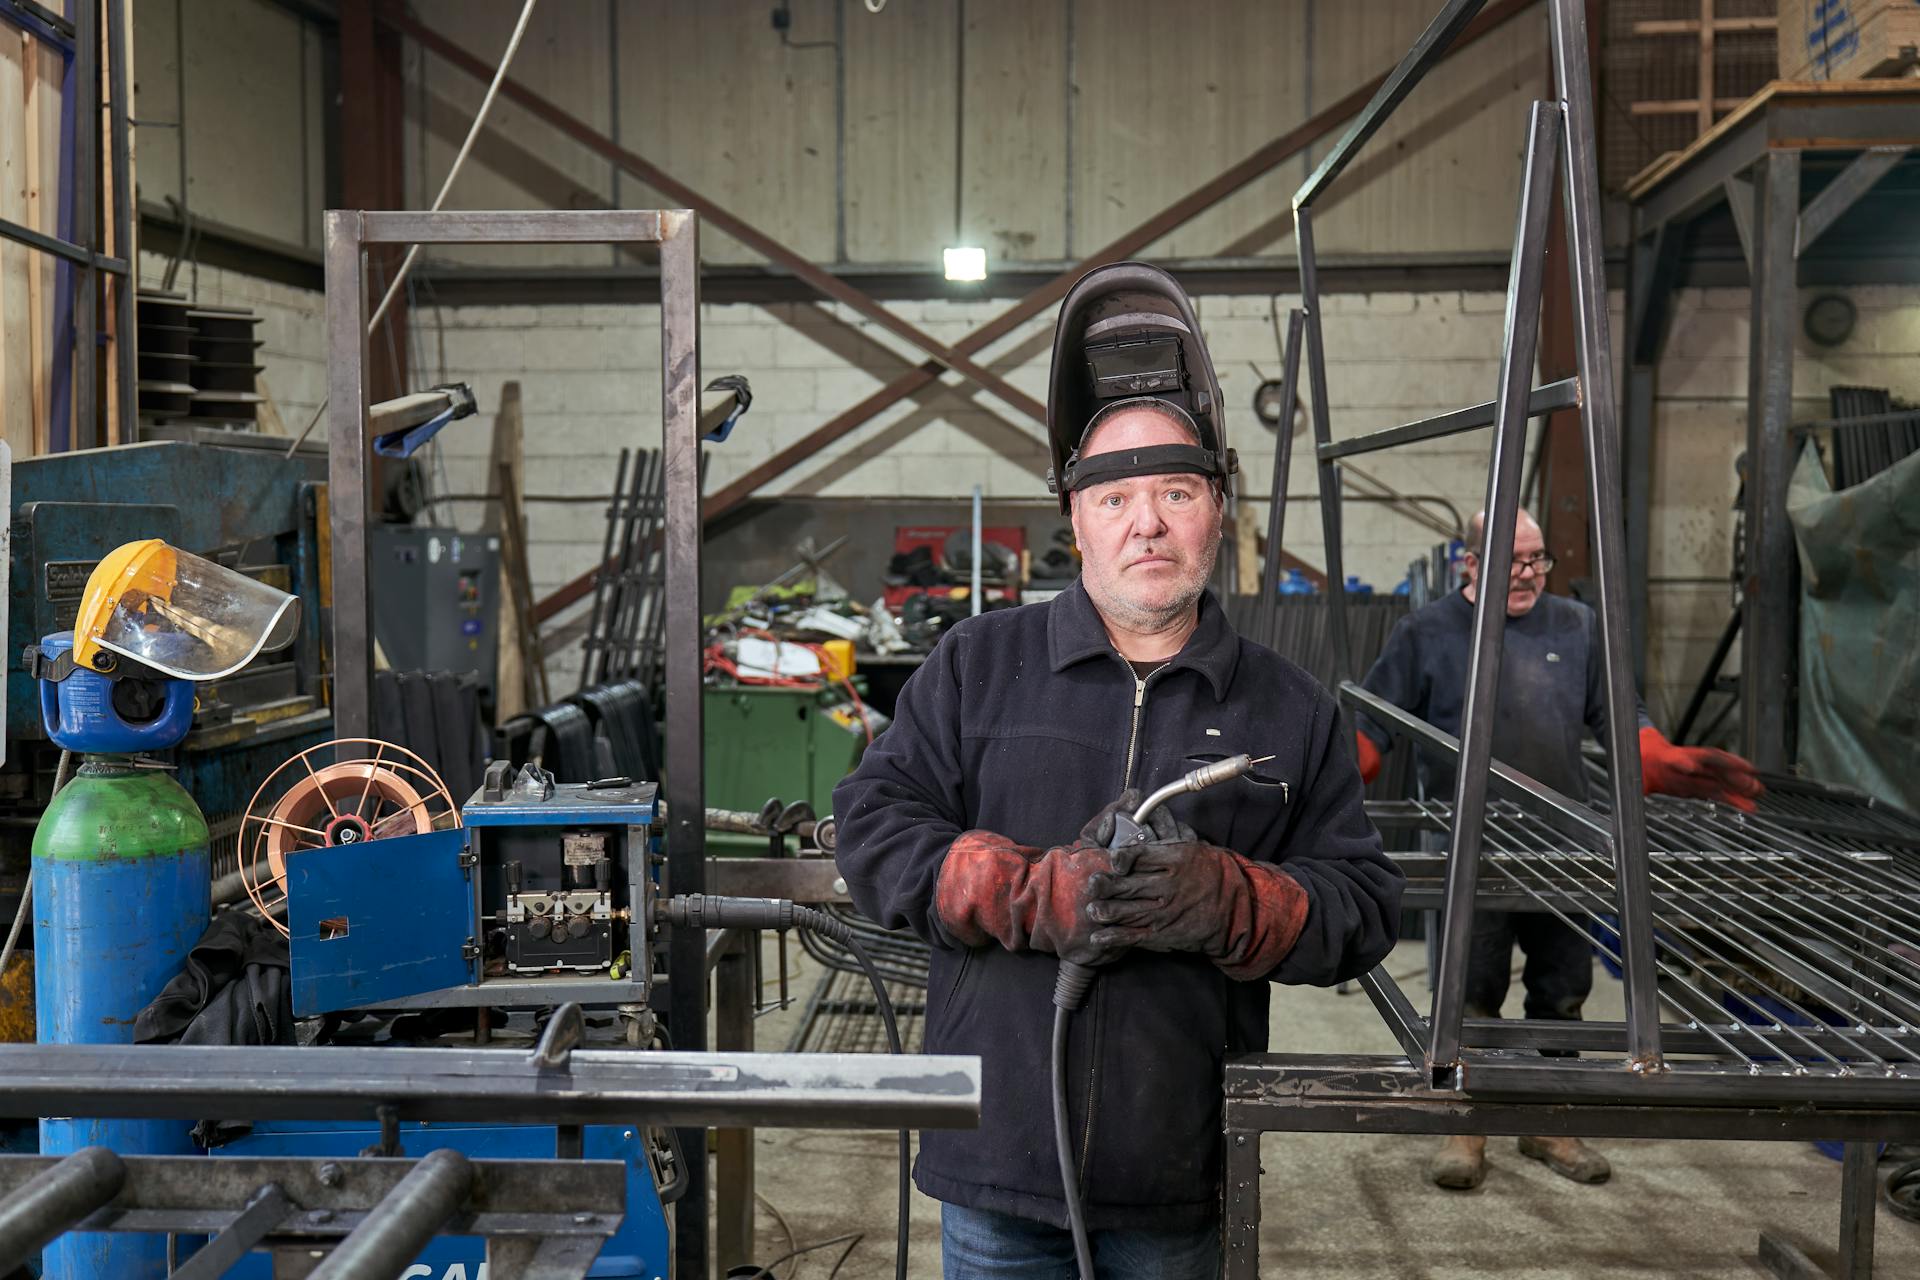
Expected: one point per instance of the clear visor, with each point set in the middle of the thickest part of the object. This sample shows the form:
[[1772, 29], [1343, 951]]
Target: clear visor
[[192, 619]]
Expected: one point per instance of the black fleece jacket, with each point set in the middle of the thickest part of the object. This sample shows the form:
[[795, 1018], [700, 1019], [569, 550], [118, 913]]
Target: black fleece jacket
[[1026, 722]]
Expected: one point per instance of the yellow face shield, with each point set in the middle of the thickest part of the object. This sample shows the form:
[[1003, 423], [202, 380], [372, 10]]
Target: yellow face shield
[[178, 614]]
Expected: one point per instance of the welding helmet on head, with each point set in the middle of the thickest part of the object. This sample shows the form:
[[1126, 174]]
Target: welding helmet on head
[[1127, 333], [177, 615]]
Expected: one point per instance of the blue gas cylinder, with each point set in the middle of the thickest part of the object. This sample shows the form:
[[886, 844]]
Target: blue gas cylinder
[[121, 892]]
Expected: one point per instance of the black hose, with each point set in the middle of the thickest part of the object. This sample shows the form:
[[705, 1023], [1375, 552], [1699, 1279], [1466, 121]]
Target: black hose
[[1063, 1143], [709, 911]]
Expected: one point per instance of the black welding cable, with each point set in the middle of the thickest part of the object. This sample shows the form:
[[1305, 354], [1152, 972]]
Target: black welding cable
[[701, 910], [1063, 1144]]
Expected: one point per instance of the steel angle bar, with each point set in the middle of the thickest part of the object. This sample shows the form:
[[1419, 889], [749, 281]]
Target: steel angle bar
[[58, 1195], [1408, 1027], [1432, 46], [1600, 425], [589, 655], [1566, 815], [61, 248], [1282, 467], [518, 226], [600, 1086], [1322, 436], [1496, 557], [1374, 1094], [1564, 394], [264, 1212]]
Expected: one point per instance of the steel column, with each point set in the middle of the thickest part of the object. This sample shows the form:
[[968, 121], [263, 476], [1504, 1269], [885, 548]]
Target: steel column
[[1766, 653], [348, 491], [735, 993], [1240, 1185], [1650, 261], [685, 784], [86, 187], [1322, 438], [1581, 175], [1282, 465], [1490, 600], [126, 326], [1859, 1189]]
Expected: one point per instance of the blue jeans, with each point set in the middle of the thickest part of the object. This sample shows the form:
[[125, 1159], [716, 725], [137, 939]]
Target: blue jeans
[[978, 1244]]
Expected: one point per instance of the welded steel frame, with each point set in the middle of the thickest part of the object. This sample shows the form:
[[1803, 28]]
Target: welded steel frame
[[675, 232], [1752, 164], [1481, 1076], [1560, 138]]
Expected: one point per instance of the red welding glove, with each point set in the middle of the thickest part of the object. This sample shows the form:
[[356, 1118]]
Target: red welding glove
[[1024, 898], [1700, 773], [1368, 755], [1187, 895]]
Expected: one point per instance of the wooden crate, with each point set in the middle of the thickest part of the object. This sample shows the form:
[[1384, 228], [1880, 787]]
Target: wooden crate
[[1848, 39]]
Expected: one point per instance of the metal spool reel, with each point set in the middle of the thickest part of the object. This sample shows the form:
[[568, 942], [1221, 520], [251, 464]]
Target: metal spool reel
[[343, 792]]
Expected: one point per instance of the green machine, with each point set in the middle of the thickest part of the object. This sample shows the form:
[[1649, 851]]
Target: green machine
[[768, 741]]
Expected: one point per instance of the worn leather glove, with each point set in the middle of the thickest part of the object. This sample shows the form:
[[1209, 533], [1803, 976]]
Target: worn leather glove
[[1368, 755], [1025, 898], [1184, 894], [1700, 773]]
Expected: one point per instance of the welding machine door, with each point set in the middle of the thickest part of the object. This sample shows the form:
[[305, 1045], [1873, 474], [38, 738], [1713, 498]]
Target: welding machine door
[[378, 921]]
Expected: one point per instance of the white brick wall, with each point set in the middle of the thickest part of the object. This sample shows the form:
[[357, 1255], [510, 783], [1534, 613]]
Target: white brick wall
[[590, 383]]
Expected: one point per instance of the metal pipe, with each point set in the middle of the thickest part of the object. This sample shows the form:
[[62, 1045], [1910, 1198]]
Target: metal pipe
[[126, 330], [1490, 605], [1282, 468], [1601, 432], [56, 1200], [1322, 436], [86, 190], [405, 1219], [975, 577]]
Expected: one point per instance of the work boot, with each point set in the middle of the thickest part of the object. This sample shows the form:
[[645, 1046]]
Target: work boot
[[1461, 1165], [1568, 1157]]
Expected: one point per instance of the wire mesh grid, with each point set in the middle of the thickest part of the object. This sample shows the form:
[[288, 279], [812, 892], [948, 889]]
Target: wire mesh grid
[[1794, 930]]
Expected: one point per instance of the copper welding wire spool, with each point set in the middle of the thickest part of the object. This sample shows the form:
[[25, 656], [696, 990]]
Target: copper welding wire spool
[[371, 790]]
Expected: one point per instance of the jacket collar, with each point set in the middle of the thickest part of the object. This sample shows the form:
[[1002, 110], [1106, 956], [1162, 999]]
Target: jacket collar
[[1075, 634]]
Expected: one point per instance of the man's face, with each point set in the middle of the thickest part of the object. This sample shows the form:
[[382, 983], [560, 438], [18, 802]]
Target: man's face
[[1528, 580], [1147, 543]]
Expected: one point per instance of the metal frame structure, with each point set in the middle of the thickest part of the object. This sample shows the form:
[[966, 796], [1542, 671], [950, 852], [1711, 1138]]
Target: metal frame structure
[[1793, 918], [545, 1218], [676, 233], [1755, 164]]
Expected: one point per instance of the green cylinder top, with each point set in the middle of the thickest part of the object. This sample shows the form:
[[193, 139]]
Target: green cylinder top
[[112, 811]]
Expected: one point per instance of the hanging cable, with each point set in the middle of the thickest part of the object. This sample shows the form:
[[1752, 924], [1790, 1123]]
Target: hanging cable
[[453, 172]]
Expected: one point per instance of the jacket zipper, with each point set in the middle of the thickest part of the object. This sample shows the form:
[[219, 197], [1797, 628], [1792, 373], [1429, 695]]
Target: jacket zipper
[[1093, 1048]]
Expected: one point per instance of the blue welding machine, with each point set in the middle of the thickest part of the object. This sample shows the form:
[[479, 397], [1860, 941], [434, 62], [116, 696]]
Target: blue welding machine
[[542, 897]]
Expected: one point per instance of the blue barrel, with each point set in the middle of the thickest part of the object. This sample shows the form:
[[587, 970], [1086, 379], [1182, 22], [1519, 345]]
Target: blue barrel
[[121, 892]]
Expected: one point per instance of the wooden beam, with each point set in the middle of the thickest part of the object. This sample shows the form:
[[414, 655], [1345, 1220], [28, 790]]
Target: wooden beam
[[1177, 214], [1691, 26], [719, 218], [1680, 106]]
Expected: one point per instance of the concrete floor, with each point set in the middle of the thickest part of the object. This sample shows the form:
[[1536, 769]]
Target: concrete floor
[[1359, 1206]]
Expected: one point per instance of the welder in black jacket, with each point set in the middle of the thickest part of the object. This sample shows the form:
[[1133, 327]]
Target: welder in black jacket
[[979, 821]]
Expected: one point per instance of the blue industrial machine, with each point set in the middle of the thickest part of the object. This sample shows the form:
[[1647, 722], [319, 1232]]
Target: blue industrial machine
[[541, 896]]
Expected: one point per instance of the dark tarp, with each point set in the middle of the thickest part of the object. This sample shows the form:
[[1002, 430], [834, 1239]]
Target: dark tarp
[[1860, 628]]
